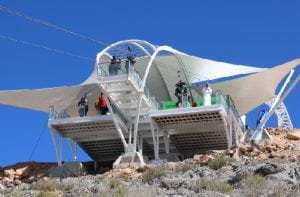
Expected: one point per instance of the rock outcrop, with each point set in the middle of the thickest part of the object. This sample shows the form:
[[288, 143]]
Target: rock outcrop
[[266, 169]]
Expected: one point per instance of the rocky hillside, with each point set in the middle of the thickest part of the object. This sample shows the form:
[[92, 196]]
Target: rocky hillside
[[266, 169]]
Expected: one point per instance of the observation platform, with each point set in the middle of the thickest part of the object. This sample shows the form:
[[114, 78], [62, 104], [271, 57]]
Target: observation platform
[[137, 126], [190, 131], [195, 130], [97, 135]]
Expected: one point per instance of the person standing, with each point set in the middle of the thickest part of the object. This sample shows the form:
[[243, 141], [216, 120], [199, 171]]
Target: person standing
[[180, 92], [112, 66], [102, 105], [83, 106], [206, 93], [130, 59]]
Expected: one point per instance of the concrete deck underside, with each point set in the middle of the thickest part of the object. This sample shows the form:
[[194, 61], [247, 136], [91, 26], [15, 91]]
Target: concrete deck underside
[[191, 131]]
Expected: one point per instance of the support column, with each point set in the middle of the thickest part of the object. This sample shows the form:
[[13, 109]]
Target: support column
[[141, 144], [73, 148], [229, 127], [130, 133], [157, 141], [61, 149], [116, 123], [156, 149], [136, 122], [259, 129], [167, 142], [57, 148]]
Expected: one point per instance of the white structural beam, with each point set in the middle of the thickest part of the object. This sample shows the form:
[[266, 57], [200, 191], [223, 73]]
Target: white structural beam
[[150, 63], [58, 148], [136, 121], [73, 148], [156, 148], [277, 101], [116, 123], [283, 118], [259, 130]]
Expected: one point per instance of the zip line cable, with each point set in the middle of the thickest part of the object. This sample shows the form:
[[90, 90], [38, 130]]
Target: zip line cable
[[38, 141], [45, 23], [45, 47], [50, 25]]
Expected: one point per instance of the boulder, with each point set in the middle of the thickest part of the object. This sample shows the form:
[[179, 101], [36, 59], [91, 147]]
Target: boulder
[[270, 168], [171, 183], [22, 172], [9, 173], [18, 182], [2, 187], [202, 159], [293, 136], [6, 180]]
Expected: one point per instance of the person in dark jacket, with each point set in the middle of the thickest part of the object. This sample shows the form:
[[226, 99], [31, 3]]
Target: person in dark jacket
[[83, 106]]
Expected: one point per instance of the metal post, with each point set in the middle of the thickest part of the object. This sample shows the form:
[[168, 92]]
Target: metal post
[[288, 79], [167, 142], [141, 144], [130, 133], [277, 103], [157, 141], [117, 125], [61, 150], [55, 147], [229, 129], [262, 124], [73, 148], [156, 157], [136, 122]]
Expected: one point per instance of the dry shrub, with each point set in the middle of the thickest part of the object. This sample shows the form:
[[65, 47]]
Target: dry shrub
[[114, 189], [212, 185], [254, 185], [45, 185], [219, 162], [182, 168], [48, 194], [150, 174], [141, 192], [66, 186], [282, 189]]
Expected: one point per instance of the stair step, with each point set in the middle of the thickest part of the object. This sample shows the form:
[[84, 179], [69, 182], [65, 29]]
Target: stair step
[[121, 88], [124, 97]]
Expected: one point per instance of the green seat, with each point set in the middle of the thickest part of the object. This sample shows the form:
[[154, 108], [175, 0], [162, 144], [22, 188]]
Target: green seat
[[168, 105]]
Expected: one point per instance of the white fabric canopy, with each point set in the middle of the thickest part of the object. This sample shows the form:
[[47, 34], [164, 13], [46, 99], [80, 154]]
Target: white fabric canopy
[[168, 70], [161, 82], [251, 91], [62, 98]]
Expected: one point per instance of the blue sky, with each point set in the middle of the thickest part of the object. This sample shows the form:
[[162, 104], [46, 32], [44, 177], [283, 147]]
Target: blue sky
[[260, 33]]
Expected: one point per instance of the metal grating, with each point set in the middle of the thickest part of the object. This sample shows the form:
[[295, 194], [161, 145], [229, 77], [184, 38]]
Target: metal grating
[[103, 150], [195, 130], [199, 142]]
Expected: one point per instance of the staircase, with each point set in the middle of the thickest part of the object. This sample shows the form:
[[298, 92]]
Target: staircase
[[124, 92]]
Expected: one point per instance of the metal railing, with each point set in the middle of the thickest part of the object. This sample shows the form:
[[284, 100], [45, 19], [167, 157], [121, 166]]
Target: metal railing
[[231, 106], [125, 68], [56, 115]]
